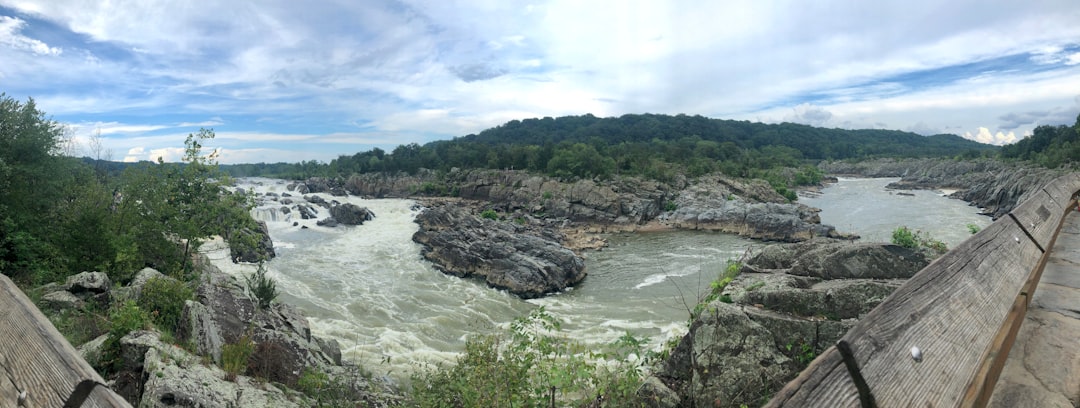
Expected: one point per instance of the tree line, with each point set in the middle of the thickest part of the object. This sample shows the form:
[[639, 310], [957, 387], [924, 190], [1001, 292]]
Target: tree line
[[648, 145], [60, 215], [1049, 146]]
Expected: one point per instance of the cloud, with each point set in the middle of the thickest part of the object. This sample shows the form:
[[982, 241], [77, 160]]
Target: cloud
[[476, 72], [924, 129], [809, 114], [984, 136], [9, 35]]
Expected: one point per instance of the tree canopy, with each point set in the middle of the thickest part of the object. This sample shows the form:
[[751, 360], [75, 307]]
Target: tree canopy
[[654, 146]]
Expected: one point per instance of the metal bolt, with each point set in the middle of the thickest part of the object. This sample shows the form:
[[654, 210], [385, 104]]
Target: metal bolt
[[916, 354], [1016, 239], [22, 398]]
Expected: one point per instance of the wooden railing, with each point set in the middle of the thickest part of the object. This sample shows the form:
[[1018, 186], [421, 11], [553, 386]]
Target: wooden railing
[[38, 368], [942, 338]]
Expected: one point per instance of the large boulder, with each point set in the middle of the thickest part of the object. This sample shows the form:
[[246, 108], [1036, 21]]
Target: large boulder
[[224, 314], [351, 214], [241, 239], [789, 303], [89, 283], [726, 360], [507, 256], [174, 377]]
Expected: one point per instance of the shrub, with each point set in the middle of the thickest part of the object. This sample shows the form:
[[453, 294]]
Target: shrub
[[164, 299], [670, 206], [263, 289], [489, 214], [535, 366], [123, 319], [235, 356], [904, 237], [973, 229]]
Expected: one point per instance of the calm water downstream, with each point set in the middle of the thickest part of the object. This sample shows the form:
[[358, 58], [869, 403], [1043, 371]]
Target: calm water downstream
[[368, 287]]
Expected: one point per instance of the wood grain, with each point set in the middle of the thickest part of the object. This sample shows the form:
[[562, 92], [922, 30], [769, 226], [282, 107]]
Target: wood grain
[[35, 358], [961, 311]]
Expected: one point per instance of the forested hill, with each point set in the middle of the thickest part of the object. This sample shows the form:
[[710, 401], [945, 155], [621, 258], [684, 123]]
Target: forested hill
[[655, 146]]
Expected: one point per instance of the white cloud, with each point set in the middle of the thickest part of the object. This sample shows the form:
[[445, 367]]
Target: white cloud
[[9, 35], [985, 136], [421, 69]]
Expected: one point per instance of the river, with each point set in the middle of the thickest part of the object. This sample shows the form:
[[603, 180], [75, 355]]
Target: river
[[391, 311]]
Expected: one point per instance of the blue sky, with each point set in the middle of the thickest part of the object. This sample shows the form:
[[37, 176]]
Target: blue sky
[[291, 81]]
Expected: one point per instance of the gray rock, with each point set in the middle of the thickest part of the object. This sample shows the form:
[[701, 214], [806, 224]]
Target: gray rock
[[351, 214], [199, 327], [176, 378], [507, 256], [655, 394], [307, 212], [91, 350], [726, 360], [283, 341], [263, 250], [89, 282], [837, 259], [328, 222], [62, 300]]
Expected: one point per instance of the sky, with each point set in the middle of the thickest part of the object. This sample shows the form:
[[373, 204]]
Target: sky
[[312, 80]]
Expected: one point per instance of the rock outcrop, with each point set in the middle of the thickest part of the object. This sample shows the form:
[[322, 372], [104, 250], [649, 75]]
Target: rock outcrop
[[251, 244], [526, 262], [351, 214], [151, 373], [790, 302], [991, 184], [224, 314]]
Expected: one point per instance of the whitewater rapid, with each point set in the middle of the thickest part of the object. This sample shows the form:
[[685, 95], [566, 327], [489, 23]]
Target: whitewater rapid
[[392, 312], [369, 288]]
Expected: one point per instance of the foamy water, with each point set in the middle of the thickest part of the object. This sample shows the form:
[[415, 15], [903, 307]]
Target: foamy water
[[368, 287]]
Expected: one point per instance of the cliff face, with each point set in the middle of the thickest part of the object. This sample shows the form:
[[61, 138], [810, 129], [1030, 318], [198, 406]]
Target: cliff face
[[749, 208], [994, 185]]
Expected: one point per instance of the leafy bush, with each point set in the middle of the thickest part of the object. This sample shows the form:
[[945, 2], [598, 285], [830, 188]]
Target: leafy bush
[[235, 356], [973, 229], [123, 319], [670, 206], [489, 214], [164, 299], [263, 289], [903, 236], [535, 366]]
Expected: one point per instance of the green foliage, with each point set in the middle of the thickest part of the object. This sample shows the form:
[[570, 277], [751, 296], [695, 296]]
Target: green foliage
[[659, 147], [801, 352], [755, 286], [670, 206], [235, 357], [730, 272], [124, 318], [1049, 146], [263, 289], [973, 229], [489, 214], [164, 299], [905, 237], [535, 366]]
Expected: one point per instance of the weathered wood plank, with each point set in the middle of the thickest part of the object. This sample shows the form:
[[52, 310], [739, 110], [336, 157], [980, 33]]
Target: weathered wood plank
[[824, 383], [1063, 188], [34, 356], [1040, 216], [951, 310]]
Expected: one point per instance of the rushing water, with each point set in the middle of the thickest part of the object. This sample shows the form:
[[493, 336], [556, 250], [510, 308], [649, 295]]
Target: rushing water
[[369, 288], [865, 207]]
